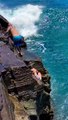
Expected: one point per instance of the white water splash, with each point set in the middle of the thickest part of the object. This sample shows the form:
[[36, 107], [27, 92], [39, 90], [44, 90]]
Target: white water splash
[[23, 17], [41, 46]]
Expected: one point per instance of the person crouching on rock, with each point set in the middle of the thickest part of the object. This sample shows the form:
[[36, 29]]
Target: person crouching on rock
[[17, 39]]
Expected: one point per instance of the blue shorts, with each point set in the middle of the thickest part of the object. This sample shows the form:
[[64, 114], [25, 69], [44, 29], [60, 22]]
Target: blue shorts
[[18, 40]]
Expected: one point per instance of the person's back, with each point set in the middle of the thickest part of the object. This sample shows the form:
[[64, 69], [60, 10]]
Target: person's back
[[13, 31]]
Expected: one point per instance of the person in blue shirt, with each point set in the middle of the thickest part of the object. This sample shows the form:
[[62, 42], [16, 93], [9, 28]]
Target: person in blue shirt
[[17, 39]]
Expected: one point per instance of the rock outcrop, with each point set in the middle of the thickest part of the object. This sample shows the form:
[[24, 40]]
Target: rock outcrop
[[21, 97], [18, 81]]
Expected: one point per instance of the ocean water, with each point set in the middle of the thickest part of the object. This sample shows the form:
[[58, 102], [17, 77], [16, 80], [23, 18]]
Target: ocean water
[[45, 23]]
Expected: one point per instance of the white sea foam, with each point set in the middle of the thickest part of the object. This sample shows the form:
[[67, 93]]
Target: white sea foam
[[23, 17], [41, 45], [44, 48]]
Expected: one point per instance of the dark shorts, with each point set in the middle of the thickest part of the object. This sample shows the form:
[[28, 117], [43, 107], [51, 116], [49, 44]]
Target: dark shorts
[[18, 40]]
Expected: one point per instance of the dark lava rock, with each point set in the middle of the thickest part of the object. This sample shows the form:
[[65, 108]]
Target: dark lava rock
[[21, 97]]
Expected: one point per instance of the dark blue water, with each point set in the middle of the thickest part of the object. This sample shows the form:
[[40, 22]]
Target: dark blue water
[[51, 44], [48, 3]]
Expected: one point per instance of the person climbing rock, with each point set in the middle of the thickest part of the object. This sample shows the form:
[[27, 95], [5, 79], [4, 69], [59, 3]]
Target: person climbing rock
[[17, 39]]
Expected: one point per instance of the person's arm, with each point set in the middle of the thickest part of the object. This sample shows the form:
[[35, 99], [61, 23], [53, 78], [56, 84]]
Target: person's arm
[[9, 27]]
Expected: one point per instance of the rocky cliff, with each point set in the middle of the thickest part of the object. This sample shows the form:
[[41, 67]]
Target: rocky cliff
[[23, 97]]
